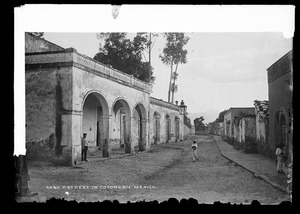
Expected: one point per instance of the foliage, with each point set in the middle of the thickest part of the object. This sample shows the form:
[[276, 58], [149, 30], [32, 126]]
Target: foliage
[[124, 54], [38, 34], [173, 55], [199, 125], [250, 145], [221, 116]]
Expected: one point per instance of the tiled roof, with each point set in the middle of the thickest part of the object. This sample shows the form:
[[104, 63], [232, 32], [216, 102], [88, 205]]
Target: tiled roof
[[262, 108]]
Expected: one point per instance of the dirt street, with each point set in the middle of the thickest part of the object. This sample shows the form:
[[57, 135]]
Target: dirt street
[[165, 171]]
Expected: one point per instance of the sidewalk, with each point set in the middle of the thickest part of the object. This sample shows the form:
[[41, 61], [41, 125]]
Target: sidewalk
[[257, 164]]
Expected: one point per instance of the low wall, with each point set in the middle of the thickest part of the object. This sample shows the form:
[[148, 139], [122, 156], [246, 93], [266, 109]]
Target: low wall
[[187, 132]]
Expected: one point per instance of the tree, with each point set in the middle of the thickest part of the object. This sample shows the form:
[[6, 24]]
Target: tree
[[173, 55], [199, 125], [147, 38], [221, 116], [124, 54], [38, 34]]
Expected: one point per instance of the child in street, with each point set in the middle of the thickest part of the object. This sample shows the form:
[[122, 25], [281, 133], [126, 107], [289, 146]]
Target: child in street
[[279, 154], [194, 149]]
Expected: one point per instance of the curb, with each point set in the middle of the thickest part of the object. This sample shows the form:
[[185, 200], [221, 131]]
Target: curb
[[263, 177]]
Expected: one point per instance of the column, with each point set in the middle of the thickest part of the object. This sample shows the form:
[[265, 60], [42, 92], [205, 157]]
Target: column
[[146, 125], [106, 135], [76, 137], [144, 140], [128, 144]]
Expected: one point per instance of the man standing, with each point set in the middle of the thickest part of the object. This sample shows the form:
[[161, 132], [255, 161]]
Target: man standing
[[194, 148], [84, 147], [279, 154]]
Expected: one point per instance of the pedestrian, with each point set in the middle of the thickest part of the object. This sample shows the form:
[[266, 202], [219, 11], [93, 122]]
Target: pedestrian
[[84, 147], [194, 149], [279, 154]]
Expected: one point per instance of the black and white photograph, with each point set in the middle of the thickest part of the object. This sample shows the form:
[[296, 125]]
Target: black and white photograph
[[110, 106]]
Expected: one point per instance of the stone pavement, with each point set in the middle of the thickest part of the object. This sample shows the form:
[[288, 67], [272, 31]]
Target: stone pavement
[[261, 167]]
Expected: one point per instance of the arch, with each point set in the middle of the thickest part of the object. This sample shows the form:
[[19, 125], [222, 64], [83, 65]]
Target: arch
[[167, 116], [121, 124], [277, 128], [156, 114], [101, 99], [141, 110], [139, 128], [283, 130], [124, 104], [94, 120]]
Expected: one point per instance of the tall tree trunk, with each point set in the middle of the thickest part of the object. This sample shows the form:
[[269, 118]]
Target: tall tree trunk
[[173, 91], [150, 57], [170, 83]]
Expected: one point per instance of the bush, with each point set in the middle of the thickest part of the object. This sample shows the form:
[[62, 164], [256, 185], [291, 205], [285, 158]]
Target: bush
[[250, 145]]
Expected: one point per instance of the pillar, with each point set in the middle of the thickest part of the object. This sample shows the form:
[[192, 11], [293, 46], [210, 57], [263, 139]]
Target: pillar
[[76, 135], [144, 140], [128, 141], [106, 136]]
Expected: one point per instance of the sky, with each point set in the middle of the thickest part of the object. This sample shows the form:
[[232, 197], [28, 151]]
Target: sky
[[223, 70]]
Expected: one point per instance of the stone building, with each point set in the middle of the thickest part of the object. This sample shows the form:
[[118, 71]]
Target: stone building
[[68, 94], [262, 126], [221, 129], [231, 123], [280, 83], [167, 124], [245, 134], [216, 128]]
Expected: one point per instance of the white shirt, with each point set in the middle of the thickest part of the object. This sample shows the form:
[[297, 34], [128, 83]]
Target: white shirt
[[194, 145], [278, 151]]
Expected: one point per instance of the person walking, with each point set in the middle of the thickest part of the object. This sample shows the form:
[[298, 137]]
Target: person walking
[[84, 147], [279, 154], [194, 149]]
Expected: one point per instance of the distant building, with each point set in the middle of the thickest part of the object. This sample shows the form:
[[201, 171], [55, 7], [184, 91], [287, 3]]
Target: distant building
[[280, 81], [245, 135], [192, 130], [215, 128], [221, 129], [229, 117]]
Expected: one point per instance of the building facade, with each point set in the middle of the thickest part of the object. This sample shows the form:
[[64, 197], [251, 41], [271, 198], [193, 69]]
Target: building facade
[[166, 122], [280, 81], [230, 121], [68, 94], [239, 129], [216, 128], [246, 134]]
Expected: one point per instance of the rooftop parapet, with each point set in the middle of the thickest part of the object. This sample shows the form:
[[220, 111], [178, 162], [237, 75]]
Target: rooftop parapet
[[165, 104], [70, 57]]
